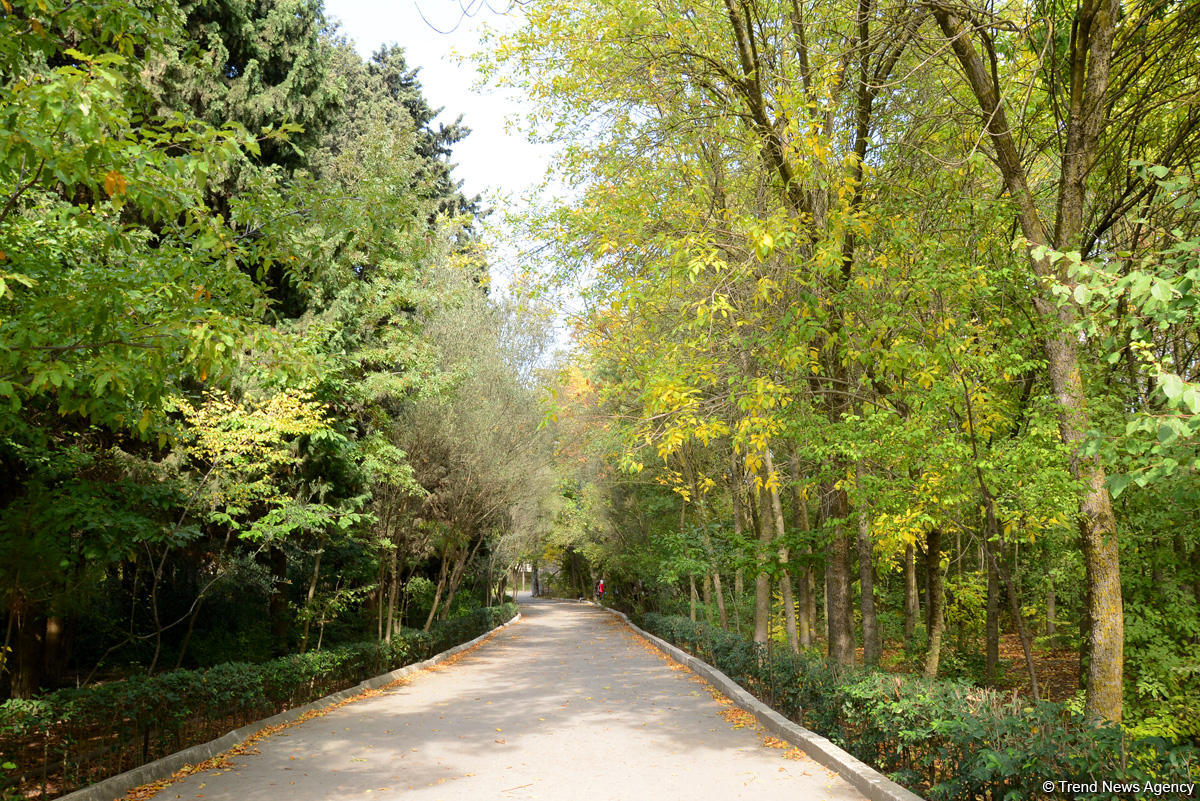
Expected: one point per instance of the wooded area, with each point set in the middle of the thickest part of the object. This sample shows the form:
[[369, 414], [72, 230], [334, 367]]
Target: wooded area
[[256, 399], [890, 345], [888, 352]]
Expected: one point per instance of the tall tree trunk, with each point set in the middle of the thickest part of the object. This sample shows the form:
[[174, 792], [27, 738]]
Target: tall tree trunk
[[912, 602], [187, 635], [27, 655], [738, 531], [800, 513], [1090, 59], [771, 484], [929, 589], [460, 566], [713, 574], [443, 571], [1014, 603], [992, 646], [872, 639], [379, 603], [825, 610], [393, 592], [937, 620], [1051, 628], [308, 601], [762, 578], [692, 597], [739, 593], [837, 579]]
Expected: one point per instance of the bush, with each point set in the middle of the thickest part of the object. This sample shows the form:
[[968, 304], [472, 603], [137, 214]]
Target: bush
[[946, 740], [81, 736]]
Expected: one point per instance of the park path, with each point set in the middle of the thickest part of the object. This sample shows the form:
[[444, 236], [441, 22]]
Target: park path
[[566, 704]]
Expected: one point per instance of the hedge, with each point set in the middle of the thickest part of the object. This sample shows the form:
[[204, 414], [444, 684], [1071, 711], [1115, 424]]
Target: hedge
[[945, 740], [75, 737]]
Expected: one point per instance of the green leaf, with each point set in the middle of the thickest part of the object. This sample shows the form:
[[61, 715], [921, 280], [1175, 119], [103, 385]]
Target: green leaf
[[1117, 484], [1166, 434], [1191, 399], [1171, 385], [1082, 294]]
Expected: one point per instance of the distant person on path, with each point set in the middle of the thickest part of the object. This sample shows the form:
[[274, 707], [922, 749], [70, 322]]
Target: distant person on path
[[600, 590]]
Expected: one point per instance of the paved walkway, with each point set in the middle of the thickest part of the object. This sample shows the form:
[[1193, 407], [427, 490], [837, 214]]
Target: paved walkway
[[566, 704]]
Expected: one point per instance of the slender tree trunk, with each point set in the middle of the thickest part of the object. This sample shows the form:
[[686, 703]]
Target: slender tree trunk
[[692, 597], [158, 626], [912, 602], [27, 656], [937, 621], [1051, 628], [762, 579], [801, 521], [872, 639], [739, 595], [443, 570], [992, 646], [735, 497], [380, 605], [713, 574], [393, 591], [460, 566], [825, 610], [772, 480], [811, 580], [1014, 603], [800, 513], [837, 580], [706, 589], [929, 588], [187, 635], [308, 601]]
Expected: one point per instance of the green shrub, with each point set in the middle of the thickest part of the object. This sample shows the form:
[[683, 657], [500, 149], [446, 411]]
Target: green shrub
[[84, 735], [946, 740]]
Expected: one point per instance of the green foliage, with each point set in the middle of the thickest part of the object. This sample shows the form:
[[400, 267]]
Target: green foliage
[[233, 263], [1136, 304], [946, 740]]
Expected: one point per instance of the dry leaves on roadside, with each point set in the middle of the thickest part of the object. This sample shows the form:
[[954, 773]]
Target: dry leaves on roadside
[[249, 746]]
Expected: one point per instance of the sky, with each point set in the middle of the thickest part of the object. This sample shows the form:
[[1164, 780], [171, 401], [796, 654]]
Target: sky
[[492, 160]]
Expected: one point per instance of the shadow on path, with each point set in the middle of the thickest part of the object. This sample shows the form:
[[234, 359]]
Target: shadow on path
[[565, 704]]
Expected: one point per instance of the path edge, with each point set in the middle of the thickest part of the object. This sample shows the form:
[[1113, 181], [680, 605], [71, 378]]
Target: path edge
[[115, 787], [868, 781]]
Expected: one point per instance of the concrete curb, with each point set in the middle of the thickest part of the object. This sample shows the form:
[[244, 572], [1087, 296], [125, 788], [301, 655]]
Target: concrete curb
[[115, 787], [868, 781]]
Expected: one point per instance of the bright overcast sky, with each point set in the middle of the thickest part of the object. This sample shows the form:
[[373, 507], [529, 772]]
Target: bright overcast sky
[[489, 159]]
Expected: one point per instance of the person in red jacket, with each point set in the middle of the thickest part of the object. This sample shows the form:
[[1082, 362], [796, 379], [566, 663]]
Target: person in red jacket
[[600, 590]]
